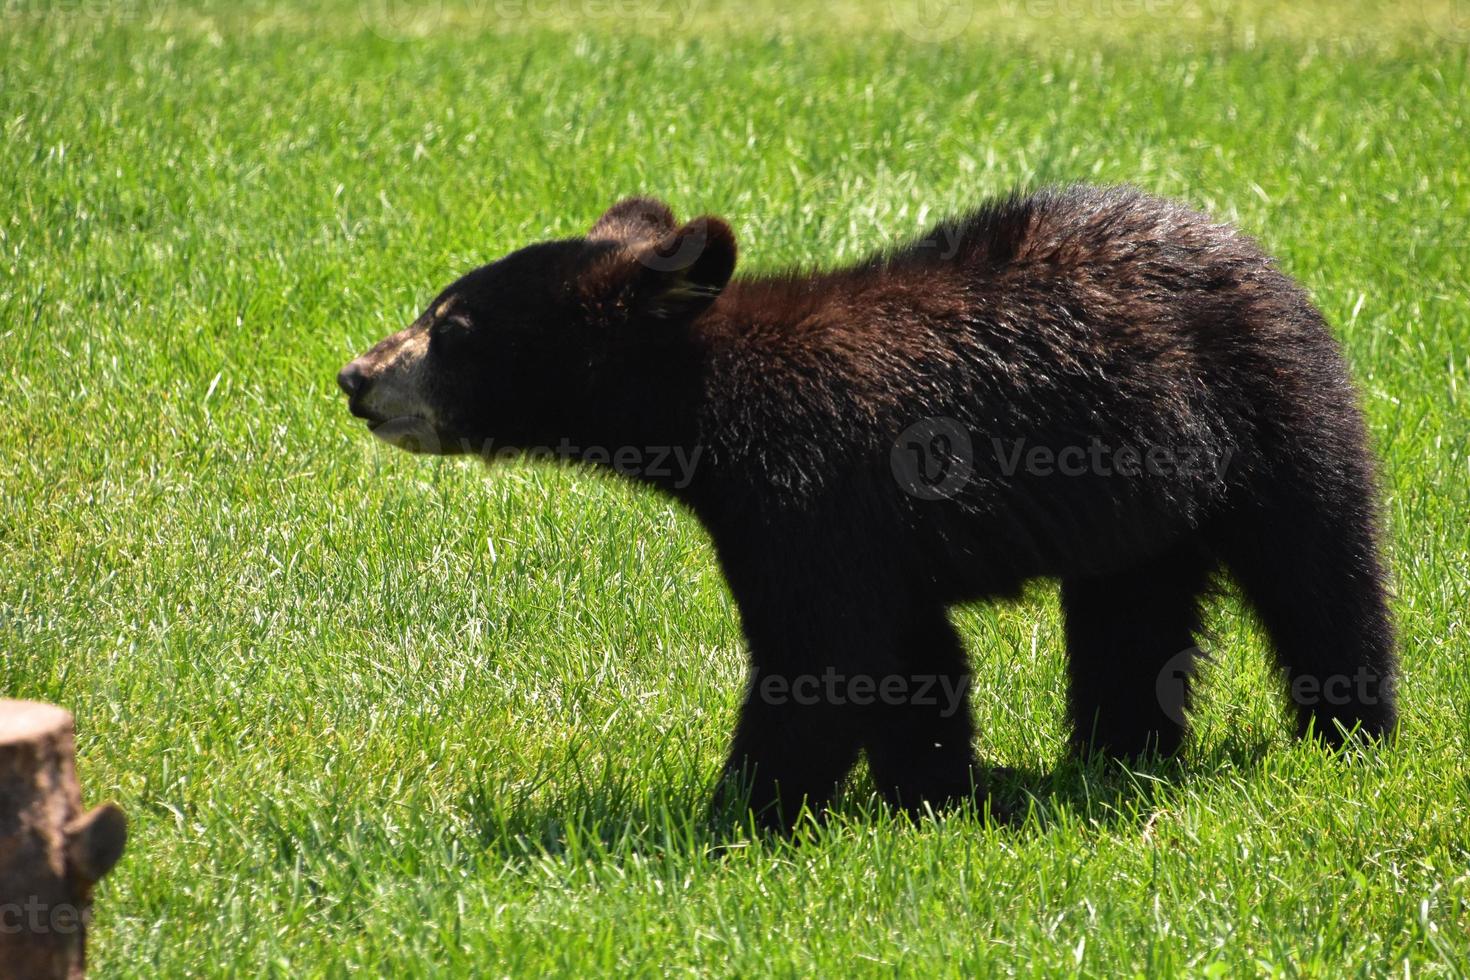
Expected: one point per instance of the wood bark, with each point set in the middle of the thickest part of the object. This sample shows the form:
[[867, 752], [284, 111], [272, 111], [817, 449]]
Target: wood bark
[[51, 853]]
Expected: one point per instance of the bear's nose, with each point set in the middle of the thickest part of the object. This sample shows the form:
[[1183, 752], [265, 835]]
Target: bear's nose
[[350, 379]]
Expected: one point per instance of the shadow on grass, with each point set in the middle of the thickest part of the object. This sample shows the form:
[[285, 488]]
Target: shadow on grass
[[620, 818], [1107, 792]]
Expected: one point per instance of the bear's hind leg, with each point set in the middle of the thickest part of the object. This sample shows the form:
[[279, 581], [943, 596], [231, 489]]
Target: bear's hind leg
[[1131, 649], [1313, 574]]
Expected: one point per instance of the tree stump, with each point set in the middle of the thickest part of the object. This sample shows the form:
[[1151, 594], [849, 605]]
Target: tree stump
[[51, 854]]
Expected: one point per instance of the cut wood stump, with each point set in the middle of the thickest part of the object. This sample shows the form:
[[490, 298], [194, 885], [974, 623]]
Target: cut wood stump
[[51, 853]]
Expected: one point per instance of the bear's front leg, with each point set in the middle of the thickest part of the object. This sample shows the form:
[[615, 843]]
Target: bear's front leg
[[920, 735], [792, 748], [846, 656]]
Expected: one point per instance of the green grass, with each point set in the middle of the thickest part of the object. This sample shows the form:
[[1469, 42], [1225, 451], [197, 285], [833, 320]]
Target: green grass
[[377, 714]]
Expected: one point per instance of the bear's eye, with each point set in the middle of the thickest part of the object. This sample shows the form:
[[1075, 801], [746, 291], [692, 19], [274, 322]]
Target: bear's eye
[[448, 316], [451, 323], [450, 336]]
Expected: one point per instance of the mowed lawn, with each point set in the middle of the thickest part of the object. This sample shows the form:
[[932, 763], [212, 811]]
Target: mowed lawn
[[373, 714]]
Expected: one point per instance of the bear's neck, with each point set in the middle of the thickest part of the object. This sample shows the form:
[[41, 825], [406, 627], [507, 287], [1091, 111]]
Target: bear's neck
[[641, 416], [672, 405]]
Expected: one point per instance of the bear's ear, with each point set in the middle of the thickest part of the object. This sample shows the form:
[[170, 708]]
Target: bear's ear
[[682, 273], [634, 221]]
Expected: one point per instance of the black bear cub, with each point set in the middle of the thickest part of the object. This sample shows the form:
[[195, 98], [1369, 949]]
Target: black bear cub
[[1088, 384]]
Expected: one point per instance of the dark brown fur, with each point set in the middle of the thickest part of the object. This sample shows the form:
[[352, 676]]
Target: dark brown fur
[[1061, 319]]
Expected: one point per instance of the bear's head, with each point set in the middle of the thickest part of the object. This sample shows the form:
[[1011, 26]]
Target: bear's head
[[514, 353]]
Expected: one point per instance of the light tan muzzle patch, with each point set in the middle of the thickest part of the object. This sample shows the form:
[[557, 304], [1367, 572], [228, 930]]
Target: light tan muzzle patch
[[388, 386]]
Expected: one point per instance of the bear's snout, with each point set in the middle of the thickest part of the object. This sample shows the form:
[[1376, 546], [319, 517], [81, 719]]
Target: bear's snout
[[350, 379], [391, 381]]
